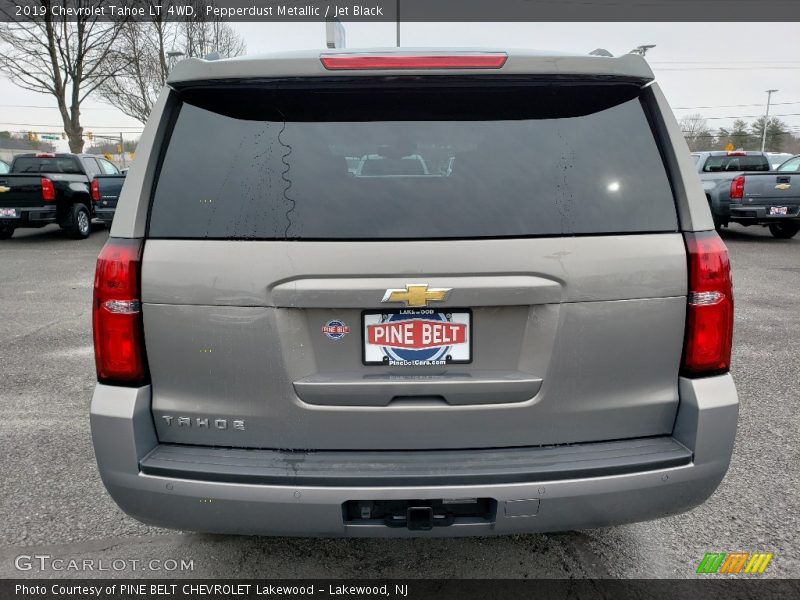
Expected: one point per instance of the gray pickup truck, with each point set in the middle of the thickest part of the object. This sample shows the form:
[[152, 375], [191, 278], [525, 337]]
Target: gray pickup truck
[[741, 188]]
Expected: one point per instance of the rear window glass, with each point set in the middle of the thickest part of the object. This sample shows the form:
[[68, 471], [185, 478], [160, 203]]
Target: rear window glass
[[59, 164], [411, 164], [725, 162]]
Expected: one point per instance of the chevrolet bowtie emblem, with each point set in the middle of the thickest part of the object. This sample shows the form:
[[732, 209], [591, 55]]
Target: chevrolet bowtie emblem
[[416, 294], [4, 189], [783, 186]]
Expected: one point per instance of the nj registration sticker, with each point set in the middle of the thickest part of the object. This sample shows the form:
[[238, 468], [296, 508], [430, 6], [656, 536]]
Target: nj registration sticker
[[417, 337]]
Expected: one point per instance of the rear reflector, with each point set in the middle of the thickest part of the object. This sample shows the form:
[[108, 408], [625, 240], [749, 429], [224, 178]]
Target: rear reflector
[[117, 316], [709, 319], [95, 190], [355, 62], [737, 188], [48, 191]]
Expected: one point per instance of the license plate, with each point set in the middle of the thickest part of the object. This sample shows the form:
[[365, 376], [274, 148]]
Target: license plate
[[8, 213], [417, 337], [778, 210]]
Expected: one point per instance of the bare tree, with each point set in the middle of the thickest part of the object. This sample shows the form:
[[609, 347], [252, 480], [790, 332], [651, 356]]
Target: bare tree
[[696, 131], [144, 64], [68, 59], [204, 35]]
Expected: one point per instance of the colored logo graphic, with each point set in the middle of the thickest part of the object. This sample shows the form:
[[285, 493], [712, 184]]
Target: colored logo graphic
[[405, 337], [335, 329], [734, 563]]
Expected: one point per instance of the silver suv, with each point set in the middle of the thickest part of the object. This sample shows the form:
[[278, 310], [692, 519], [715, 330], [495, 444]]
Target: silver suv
[[532, 333]]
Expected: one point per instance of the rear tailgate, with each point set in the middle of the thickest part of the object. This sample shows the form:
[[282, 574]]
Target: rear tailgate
[[778, 193], [109, 188], [21, 191], [281, 285]]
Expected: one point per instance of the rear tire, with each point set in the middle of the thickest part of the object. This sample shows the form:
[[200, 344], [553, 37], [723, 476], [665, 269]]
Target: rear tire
[[6, 232], [784, 231], [79, 225]]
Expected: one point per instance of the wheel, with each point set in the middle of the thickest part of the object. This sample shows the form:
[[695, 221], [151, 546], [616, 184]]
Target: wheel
[[79, 224], [784, 231], [6, 232]]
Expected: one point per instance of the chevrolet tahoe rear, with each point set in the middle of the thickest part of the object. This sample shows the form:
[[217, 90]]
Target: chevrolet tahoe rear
[[412, 293]]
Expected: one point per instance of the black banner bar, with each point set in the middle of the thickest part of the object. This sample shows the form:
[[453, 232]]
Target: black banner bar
[[410, 10], [713, 587]]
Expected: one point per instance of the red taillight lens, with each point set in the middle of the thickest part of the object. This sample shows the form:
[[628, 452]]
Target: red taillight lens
[[737, 188], [117, 314], [94, 187], [490, 60], [709, 320], [48, 191]]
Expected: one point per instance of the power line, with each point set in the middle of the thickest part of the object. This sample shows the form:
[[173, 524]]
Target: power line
[[732, 105], [56, 108], [61, 126], [726, 68], [735, 135], [720, 62], [752, 116]]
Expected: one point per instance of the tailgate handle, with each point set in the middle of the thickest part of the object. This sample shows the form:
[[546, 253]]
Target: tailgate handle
[[783, 179], [418, 401], [400, 392]]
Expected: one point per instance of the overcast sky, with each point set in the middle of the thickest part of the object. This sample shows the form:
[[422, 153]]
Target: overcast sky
[[715, 65]]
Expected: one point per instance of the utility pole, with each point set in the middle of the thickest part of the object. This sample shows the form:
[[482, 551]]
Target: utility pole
[[398, 23], [766, 120], [121, 150]]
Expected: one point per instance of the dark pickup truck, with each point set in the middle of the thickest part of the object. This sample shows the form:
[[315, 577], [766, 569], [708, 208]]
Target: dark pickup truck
[[770, 199], [67, 189]]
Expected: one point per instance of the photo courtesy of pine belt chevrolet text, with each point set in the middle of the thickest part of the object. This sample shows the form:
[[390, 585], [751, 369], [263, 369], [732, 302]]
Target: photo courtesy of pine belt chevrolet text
[[412, 293]]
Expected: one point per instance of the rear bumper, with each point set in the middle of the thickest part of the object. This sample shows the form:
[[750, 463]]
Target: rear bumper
[[182, 494], [31, 217], [760, 214], [105, 215]]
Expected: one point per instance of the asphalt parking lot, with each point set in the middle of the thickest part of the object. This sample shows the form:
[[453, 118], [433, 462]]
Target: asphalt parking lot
[[53, 502]]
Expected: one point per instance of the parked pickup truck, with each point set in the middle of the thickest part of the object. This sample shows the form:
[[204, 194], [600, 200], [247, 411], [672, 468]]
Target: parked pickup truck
[[741, 188], [770, 199], [68, 189], [717, 169]]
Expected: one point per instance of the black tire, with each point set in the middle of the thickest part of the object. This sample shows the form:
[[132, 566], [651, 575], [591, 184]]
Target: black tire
[[6, 232], [79, 225], [784, 231]]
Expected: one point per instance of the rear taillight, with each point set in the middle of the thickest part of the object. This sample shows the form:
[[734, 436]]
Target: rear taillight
[[48, 190], [474, 60], [709, 319], [94, 188], [737, 188], [117, 314]]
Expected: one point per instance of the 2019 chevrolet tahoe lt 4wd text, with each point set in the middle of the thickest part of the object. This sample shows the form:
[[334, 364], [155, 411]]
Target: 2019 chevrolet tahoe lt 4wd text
[[518, 319]]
